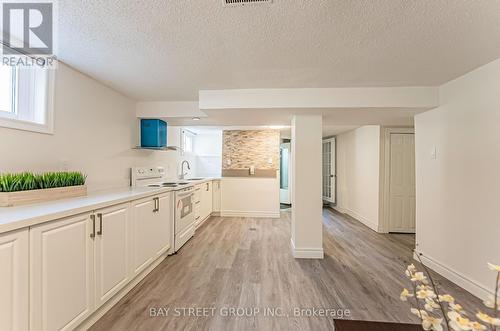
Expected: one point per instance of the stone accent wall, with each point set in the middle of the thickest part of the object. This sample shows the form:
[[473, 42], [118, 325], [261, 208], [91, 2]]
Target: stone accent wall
[[251, 147]]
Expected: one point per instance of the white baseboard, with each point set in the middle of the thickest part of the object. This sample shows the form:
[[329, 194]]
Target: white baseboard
[[256, 214], [369, 223], [306, 253], [456, 277], [339, 209]]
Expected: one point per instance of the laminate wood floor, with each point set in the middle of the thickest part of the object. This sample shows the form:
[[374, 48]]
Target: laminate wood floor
[[247, 263]]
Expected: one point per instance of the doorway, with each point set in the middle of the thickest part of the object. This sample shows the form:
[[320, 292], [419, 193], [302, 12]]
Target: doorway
[[285, 173], [401, 182]]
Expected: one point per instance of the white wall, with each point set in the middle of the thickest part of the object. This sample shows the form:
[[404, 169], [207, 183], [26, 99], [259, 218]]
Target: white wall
[[307, 217], [358, 175], [250, 197], [458, 193], [95, 129]]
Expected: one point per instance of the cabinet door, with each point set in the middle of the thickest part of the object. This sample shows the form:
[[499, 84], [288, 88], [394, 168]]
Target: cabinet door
[[163, 220], [143, 249], [111, 251], [14, 281], [216, 196], [206, 200], [197, 204], [61, 269]]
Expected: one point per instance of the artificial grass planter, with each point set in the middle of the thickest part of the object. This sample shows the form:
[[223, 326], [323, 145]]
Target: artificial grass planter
[[30, 181], [26, 188]]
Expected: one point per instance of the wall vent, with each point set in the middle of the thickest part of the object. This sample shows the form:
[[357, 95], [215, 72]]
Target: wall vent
[[244, 2]]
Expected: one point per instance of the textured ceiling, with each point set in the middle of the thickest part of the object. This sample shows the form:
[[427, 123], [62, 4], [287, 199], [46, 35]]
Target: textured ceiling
[[168, 50]]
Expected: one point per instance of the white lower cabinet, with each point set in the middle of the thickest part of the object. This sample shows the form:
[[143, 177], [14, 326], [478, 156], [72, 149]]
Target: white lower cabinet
[[111, 252], [216, 196], [150, 230], [61, 273], [142, 248], [206, 200], [76, 264], [163, 223], [14, 282]]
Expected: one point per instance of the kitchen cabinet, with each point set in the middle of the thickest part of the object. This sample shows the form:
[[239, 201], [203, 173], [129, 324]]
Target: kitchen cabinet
[[216, 196], [111, 253], [150, 230], [163, 223], [14, 281], [55, 275], [206, 201], [61, 273], [197, 204]]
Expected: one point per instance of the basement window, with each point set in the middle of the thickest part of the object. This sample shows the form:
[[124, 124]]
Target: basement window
[[187, 141], [25, 102]]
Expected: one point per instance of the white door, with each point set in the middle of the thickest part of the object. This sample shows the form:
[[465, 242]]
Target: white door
[[329, 170], [402, 183], [111, 251], [143, 226], [14, 281], [285, 179], [164, 220], [61, 273]]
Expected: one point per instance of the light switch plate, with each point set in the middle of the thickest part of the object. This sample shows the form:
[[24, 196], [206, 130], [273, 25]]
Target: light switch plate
[[433, 153]]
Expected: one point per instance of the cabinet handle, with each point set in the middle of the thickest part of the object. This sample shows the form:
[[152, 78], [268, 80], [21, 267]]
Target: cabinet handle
[[207, 187], [157, 205], [92, 218], [99, 233]]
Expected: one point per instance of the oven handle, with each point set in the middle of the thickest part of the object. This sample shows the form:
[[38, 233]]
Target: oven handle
[[183, 195]]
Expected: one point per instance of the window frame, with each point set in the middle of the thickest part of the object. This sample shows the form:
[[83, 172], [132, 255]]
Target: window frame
[[9, 120], [47, 128], [185, 134], [13, 95]]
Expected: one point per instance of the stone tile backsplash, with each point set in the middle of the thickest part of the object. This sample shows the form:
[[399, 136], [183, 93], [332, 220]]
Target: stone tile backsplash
[[246, 148]]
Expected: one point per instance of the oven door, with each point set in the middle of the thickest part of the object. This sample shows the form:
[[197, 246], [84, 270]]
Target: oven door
[[184, 211]]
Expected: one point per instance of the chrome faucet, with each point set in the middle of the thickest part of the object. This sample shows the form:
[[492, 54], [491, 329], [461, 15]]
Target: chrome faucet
[[183, 174]]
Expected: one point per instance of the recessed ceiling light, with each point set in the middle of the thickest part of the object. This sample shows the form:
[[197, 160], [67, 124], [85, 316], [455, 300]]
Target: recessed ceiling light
[[195, 118]]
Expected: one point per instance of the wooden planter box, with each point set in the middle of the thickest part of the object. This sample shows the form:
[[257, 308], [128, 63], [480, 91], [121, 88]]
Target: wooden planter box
[[10, 199]]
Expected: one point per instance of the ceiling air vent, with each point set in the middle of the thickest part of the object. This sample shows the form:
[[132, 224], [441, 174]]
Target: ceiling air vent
[[244, 2]]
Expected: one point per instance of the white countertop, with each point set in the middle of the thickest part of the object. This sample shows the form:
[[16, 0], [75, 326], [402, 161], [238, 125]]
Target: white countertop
[[13, 218]]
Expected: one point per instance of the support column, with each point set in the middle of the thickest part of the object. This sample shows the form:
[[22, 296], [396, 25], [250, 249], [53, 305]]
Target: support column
[[307, 223]]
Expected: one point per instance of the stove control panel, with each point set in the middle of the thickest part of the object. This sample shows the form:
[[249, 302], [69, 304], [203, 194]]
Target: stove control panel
[[146, 173]]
